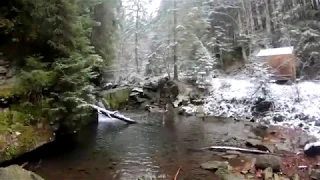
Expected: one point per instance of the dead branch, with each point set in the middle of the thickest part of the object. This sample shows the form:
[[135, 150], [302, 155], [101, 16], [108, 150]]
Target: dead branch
[[24, 164], [176, 176], [244, 150]]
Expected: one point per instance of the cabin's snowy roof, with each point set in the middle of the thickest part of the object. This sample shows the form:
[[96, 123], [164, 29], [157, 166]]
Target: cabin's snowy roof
[[275, 51]]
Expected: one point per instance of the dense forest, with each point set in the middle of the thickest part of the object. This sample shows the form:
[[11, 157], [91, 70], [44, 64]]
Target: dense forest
[[60, 59], [198, 35], [63, 51], [56, 51]]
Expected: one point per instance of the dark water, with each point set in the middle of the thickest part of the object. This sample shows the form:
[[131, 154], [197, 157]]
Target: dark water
[[113, 150]]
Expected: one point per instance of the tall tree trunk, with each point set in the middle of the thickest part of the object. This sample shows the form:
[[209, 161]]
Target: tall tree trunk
[[268, 19], [243, 49], [245, 15], [251, 17], [251, 26], [258, 15], [273, 5], [167, 54], [175, 57], [136, 40], [316, 4]]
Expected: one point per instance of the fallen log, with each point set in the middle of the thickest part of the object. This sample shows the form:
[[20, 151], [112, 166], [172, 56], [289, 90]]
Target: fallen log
[[113, 114], [244, 150]]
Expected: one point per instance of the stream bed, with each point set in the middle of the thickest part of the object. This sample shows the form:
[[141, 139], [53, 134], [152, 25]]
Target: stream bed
[[150, 149]]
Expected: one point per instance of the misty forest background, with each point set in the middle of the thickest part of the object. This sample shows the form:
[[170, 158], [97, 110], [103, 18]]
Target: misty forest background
[[64, 51]]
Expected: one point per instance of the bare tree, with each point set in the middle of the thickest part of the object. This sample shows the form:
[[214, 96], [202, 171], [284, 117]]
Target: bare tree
[[175, 57]]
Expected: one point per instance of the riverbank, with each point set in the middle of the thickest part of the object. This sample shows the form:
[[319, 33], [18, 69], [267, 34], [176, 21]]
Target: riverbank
[[153, 149], [161, 143]]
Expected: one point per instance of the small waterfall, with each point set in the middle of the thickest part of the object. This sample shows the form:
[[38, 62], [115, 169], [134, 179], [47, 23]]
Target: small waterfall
[[102, 117], [105, 115]]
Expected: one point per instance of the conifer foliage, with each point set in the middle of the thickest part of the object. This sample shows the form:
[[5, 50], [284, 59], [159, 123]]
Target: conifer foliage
[[66, 43]]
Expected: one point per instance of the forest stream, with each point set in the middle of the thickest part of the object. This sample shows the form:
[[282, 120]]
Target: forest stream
[[150, 149]]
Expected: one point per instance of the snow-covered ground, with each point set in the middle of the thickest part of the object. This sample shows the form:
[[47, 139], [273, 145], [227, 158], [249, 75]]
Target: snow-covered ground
[[299, 104]]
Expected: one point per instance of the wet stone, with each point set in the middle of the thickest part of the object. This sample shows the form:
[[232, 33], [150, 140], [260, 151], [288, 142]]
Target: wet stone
[[214, 165], [225, 174], [234, 152], [232, 156], [265, 161], [315, 174], [278, 118], [268, 173]]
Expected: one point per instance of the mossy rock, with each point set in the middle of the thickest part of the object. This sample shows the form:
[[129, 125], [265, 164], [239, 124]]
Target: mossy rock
[[16, 143], [18, 136], [117, 98], [18, 173]]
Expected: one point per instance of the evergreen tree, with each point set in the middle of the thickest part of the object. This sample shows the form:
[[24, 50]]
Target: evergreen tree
[[65, 46]]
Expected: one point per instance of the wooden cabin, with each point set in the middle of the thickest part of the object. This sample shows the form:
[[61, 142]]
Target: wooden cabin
[[281, 62]]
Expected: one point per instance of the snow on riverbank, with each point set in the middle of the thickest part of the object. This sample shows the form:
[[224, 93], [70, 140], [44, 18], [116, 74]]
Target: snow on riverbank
[[297, 105]]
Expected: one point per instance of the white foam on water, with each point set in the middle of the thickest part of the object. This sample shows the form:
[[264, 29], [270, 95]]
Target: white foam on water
[[104, 118]]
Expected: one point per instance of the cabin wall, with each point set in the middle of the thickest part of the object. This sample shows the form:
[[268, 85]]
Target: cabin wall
[[283, 66]]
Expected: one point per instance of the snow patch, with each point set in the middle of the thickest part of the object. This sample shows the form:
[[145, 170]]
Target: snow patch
[[298, 105]]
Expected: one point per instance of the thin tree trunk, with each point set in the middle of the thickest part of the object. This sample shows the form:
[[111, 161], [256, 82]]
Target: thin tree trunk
[[136, 40], [268, 19], [251, 26], [273, 4], [251, 17], [258, 15], [243, 50], [175, 57], [245, 15]]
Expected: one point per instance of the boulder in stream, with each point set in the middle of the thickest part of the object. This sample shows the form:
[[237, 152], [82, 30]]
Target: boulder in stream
[[117, 98], [266, 161]]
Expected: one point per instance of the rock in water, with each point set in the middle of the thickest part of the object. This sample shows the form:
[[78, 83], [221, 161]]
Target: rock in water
[[214, 165], [265, 161], [312, 149], [17, 173]]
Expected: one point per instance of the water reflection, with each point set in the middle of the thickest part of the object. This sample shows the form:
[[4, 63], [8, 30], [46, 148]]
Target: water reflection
[[114, 150]]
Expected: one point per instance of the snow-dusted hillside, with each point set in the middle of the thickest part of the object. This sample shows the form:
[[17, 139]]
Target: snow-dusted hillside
[[298, 105]]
